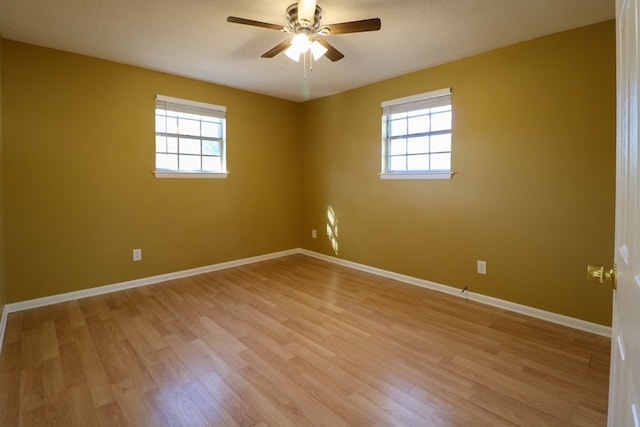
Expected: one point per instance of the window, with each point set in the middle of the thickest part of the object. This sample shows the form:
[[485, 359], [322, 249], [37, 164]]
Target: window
[[416, 136], [190, 139]]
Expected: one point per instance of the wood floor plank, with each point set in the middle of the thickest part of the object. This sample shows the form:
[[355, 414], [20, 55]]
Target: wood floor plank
[[137, 409], [227, 401], [49, 341], [170, 398], [136, 371], [57, 411], [53, 381], [81, 408], [71, 365], [31, 389], [296, 342], [10, 398], [110, 415], [215, 413], [514, 409], [31, 349], [97, 378], [560, 406]]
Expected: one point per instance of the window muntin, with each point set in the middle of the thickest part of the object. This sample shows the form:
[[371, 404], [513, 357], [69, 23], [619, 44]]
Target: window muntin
[[190, 137], [416, 134]]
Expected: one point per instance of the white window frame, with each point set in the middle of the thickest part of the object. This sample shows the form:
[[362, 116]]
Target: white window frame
[[420, 101], [204, 110]]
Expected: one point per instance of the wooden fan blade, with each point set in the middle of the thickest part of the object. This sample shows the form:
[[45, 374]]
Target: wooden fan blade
[[236, 20], [277, 49], [332, 53], [373, 24]]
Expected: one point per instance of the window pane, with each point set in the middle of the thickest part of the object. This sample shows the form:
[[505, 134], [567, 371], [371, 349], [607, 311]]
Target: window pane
[[441, 161], [166, 161], [441, 121], [419, 124], [211, 129], [161, 123], [189, 127], [398, 127], [418, 145], [418, 163], [189, 146], [440, 143], [172, 145], [189, 163], [211, 148], [397, 164], [161, 144], [398, 146], [172, 124], [211, 164], [398, 116]]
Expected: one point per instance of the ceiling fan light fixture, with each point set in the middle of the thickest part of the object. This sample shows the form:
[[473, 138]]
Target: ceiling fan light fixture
[[300, 43], [292, 54], [317, 50]]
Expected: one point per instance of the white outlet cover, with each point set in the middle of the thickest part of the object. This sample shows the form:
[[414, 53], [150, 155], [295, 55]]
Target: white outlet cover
[[482, 267]]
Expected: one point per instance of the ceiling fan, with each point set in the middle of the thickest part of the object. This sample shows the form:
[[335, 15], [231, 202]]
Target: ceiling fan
[[304, 23]]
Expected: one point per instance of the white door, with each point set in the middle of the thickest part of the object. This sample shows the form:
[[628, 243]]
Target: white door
[[624, 387]]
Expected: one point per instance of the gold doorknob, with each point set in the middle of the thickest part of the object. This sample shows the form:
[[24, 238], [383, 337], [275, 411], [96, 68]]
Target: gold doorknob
[[597, 273]]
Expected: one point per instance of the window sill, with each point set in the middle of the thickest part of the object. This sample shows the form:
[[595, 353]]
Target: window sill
[[416, 176], [192, 175]]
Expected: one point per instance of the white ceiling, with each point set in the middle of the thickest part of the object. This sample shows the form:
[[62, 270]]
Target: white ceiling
[[192, 38]]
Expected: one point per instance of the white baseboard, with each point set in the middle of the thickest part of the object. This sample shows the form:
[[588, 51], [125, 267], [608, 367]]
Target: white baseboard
[[560, 319], [85, 293], [3, 326], [100, 290]]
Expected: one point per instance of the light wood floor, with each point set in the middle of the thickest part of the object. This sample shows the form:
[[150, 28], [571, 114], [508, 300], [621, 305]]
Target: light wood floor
[[295, 342]]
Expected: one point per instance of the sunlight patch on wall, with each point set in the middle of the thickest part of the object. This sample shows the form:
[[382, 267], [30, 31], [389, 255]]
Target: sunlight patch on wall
[[332, 229]]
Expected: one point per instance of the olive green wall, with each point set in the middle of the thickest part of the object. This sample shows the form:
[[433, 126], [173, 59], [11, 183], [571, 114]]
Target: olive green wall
[[533, 193], [79, 189]]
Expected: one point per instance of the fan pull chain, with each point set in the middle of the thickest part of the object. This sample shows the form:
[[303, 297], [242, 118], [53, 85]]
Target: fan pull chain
[[304, 62], [307, 64]]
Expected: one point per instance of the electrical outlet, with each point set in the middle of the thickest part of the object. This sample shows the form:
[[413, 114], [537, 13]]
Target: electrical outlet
[[482, 267], [137, 254], [314, 233]]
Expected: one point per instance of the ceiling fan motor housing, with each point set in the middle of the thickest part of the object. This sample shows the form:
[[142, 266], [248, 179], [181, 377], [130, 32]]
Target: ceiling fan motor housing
[[297, 25]]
